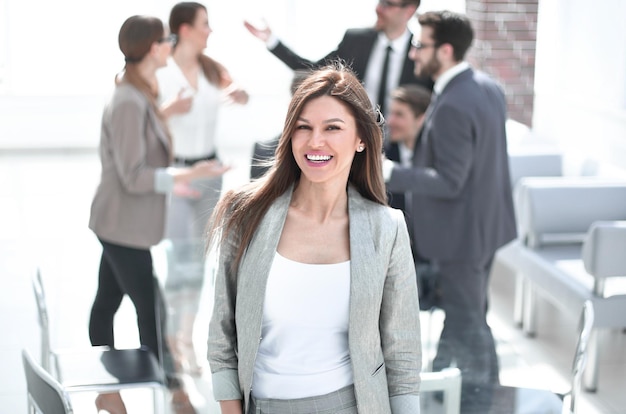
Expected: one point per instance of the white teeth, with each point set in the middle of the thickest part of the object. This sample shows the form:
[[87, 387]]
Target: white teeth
[[318, 157]]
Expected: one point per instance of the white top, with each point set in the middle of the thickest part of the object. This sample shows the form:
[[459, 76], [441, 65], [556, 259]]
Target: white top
[[406, 155], [374, 69], [445, 78], [193, 132], [304, 345]]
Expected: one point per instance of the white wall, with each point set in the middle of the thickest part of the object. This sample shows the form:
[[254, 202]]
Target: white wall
[[580, 79], [58, 60]]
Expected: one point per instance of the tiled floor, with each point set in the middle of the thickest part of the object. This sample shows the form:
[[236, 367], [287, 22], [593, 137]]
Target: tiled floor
[[44, 207]]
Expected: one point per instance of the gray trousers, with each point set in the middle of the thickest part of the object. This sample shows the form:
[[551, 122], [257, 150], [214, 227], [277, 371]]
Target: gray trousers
[[185, 244], [342, 401]]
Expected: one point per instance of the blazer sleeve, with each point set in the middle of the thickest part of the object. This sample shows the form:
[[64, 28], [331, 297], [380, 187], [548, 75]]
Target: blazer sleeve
[[128, 147], [399, 321], [222, 342], [297, 62]]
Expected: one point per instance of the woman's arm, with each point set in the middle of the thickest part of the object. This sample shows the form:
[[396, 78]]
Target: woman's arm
[[231, 407], [179, 104], [179, 179], [399, 323], [222, 341], [235, 94]]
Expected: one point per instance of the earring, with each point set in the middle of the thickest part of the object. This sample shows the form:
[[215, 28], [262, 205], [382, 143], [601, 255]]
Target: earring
[[361, 148]]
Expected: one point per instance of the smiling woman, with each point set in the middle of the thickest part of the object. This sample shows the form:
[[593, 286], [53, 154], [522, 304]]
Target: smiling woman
[[318, 212], [325, 136]]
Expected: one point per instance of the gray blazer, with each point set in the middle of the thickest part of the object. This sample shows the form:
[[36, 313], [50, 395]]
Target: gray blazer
[[384, 329], [461, 206], [129, 205]]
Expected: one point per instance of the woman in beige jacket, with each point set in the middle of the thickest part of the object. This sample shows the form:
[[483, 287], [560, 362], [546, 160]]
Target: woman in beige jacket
[[129, 207]]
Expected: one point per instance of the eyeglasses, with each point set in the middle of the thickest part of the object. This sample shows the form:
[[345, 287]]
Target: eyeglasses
[[386, 3], [172, 38], [419, 45]]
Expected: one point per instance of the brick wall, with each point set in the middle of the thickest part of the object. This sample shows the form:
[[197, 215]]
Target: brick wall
[[504, 47]]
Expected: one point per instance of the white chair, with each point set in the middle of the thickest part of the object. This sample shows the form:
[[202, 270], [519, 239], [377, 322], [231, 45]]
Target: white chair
[[45, 394], [98, 369], [580, 356], [449, 382], [499, 399]]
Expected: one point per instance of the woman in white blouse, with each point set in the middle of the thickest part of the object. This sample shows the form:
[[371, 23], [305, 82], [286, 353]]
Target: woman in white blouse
[[192, 87], [316, 307]]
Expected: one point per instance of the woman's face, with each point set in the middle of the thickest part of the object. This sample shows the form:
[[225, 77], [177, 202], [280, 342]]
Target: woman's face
[[164, 49], [199, 30], [325, 140]]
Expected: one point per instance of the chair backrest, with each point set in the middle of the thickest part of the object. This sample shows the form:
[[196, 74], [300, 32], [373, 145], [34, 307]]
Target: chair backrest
[[44, 324], [603, 249], [580, 356], [561, 209], [45, 394], [540, 164]]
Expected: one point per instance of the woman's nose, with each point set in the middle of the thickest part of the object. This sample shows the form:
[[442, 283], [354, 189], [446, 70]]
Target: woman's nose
[[317, 139]]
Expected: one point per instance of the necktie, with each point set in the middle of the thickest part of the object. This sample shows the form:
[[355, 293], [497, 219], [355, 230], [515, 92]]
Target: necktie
[[382, 87]]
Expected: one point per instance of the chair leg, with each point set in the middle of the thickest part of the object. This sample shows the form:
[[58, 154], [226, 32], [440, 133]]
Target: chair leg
[[590, 374], [431, 345], [452, 398], [159, 402], [530, 310], [518, 305]]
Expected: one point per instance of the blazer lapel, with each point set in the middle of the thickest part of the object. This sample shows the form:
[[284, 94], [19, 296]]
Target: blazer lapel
[[423, 156], [408, 66], [258, 258], [363, 263], [260, 254]]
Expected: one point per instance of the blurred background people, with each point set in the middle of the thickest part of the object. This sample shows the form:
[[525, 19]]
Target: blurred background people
[[461, 202], [378, 55], [404, 123], [129, 207], [263, 151], [192, 87]]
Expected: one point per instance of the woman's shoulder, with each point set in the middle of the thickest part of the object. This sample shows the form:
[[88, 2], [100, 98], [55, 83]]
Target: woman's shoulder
[[127, 92], [127, 100], [380, 211], [387, 214]]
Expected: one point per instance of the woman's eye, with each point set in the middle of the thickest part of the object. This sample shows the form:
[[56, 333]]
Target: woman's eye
[[303, 127], [333, 127]]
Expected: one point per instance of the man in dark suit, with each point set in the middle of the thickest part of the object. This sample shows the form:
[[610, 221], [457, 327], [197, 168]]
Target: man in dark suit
[[404, 122], [365, 50], [462, 207]]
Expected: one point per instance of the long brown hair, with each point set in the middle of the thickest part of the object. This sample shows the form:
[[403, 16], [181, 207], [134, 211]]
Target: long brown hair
[[185, 13], [239, 212], [136, 37]]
